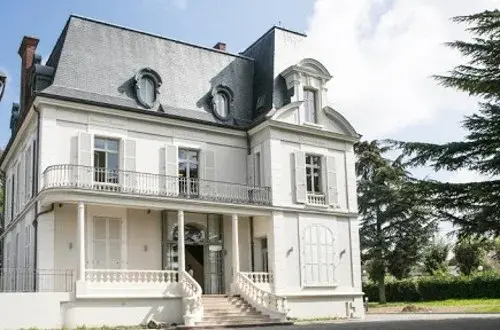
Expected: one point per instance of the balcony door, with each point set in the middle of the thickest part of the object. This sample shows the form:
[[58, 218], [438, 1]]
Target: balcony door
[[107, 243], [189, 168]]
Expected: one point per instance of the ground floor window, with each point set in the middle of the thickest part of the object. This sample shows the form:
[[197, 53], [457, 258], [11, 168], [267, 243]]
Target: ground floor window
[[107, 243], [318, 256]]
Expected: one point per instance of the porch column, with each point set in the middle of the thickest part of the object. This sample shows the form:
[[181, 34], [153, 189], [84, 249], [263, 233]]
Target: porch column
[[81, 241], [236, 251], [180, 243]]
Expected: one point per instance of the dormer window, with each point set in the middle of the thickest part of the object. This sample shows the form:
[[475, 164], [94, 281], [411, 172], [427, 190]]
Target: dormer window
[[310, 104], [147, 84], [221, 104], [222, 98]]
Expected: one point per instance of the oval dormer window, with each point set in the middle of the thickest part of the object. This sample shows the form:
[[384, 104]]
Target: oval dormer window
[[147, 83], [222, 99]]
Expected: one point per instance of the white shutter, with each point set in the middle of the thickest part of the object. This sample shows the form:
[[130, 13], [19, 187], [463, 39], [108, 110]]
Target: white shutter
[[300, 177], [208, 186], [8, 198], [21, 179], [250, 170], [331, 181], [172, 170], [128, 164], [84, 159]]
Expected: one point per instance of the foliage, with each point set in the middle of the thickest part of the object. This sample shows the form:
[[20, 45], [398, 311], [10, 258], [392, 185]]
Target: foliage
[[473, 206], [430, 288], [394, 225], [435, 258], [469, 255]]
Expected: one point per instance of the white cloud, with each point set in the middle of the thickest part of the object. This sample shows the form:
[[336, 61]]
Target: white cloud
[[382, 54]]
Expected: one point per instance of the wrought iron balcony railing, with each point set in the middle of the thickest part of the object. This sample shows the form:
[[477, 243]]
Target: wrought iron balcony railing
[[103, 179]]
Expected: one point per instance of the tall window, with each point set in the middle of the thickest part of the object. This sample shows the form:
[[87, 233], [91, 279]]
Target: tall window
[[318, 256], [310, 105], [257, 170], [189, 171], [107, 243], [18, 188], [13, 192], [265, 255], [28, 173], [221, 104], [313, 175], [106, 160]]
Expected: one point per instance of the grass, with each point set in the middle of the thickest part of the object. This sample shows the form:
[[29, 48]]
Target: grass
[[467, 305]]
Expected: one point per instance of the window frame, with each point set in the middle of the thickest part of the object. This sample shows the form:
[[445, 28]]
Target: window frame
[[318, 263], [228, 96], [109, 177], [147, 73], [192, 184], [307, 111], [320, 180]]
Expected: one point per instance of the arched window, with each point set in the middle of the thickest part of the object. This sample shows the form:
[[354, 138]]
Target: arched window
[[318, 256], [222, 97], [147, 83], [221, 104]]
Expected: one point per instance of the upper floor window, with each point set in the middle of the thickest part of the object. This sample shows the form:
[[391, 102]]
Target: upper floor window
[[189, 167], [310, 104], [313, 174], [106, 156], [147, 83]]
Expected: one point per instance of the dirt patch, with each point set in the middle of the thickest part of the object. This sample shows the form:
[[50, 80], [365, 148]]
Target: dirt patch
[[416, 309]]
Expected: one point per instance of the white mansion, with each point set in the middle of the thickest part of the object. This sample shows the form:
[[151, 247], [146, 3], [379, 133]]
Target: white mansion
[[151, 179]]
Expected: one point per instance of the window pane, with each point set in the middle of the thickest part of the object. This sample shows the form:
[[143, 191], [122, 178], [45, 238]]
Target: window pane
[[147, 90], [317, 181], [182, 154], [193, 156], [99, 159], [99, 143], [221, 104], [112, 145], [112, 163], [193, 171], [182, 169], [308, 159], [309, 179]]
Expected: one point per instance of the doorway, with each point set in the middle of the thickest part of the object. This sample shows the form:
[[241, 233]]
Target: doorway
[[195, 260]]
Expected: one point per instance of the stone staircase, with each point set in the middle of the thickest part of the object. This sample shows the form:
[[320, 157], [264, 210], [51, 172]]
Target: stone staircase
[[224, 311]]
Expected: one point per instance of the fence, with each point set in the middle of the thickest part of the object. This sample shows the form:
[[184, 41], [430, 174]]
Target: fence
[[36, 280]]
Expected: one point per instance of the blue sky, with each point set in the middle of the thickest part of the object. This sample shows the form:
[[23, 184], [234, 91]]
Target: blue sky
[[238, 23]]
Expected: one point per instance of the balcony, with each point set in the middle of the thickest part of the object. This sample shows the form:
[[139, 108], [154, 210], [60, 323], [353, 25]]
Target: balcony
[[149, 184]]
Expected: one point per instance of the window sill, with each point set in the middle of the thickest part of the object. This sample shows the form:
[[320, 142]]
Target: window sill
[[313, 125], [317, 206]]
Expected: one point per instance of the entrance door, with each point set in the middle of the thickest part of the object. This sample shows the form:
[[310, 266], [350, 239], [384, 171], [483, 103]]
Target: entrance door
[[195, 263]]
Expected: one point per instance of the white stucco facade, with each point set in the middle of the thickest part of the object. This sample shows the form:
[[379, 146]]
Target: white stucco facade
[[122, 216]]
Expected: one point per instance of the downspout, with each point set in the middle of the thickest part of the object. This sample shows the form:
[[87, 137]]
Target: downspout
[[2, 225], [35, 194], [252, 245]]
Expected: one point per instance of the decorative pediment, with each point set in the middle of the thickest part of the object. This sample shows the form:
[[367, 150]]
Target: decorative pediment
[[308, 67], [340, 121]]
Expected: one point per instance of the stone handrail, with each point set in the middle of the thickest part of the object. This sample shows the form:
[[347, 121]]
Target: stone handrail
[[264, 301], [192, 302], [130, 276], [259, 277]]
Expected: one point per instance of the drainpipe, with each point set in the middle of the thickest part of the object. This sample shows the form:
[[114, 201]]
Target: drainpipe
[[252, 245], [2, 228]]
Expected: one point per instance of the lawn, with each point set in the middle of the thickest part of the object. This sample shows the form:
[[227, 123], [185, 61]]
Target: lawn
[[443, 306]]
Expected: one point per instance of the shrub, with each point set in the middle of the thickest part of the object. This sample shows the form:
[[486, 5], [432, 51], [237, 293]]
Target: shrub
[[431, 288]]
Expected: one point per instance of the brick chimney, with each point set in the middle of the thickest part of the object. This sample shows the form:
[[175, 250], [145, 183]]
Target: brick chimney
[[27, 54], [220, 46]]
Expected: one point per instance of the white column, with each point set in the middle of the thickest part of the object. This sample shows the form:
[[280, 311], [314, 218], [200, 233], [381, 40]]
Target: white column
[[180, 243], [236, 250], [81, 241]]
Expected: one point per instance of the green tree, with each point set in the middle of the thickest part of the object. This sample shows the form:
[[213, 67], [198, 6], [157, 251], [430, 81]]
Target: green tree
[[435, 258], [469, 255], [394, 224], [473, 206]]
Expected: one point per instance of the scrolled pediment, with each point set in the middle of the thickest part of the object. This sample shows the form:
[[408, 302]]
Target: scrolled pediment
[[340, 121]]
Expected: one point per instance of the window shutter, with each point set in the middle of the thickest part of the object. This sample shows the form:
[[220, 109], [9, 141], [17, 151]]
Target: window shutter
[[8, 197], [171, 170], [128, 164], [250, 170], [331, 177], [300, 177], [20, 193], [208, 187], [84, 176]]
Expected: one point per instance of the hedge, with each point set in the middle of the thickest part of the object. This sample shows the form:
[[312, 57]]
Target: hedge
[[438, 288]]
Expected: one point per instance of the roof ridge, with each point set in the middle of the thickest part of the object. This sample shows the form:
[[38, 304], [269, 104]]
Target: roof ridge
[[93, 20]]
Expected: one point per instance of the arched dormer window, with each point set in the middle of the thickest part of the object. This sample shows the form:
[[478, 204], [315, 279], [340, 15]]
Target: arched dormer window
[[307, 80], [147, 84], [318, 256], [222, 98]]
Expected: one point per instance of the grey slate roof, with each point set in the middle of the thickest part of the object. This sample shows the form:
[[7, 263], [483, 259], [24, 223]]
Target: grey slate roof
[[96, 62]]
